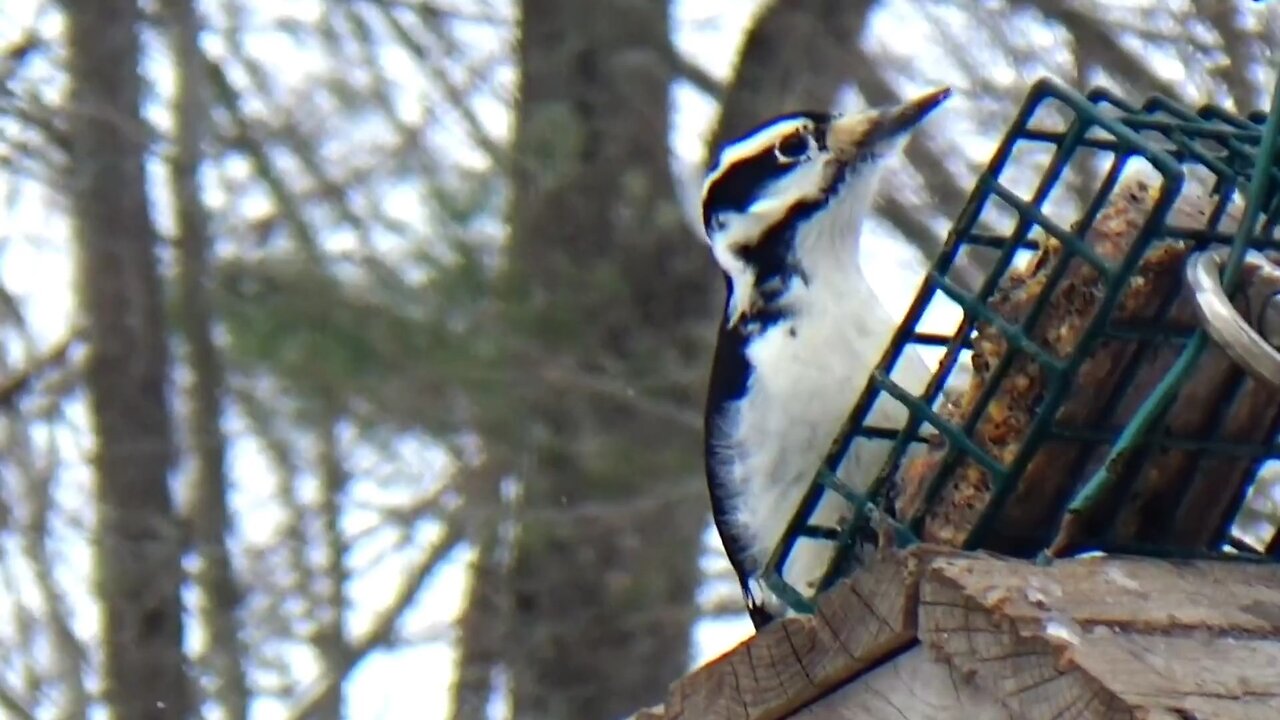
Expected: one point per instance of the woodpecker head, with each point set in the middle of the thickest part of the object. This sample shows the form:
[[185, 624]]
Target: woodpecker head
[[797, 170]]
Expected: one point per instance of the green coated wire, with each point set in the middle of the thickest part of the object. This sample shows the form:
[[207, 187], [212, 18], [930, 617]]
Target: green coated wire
[[1124, 141], [1156, 403]]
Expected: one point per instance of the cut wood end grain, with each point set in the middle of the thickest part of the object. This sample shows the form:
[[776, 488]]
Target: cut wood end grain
[[858, 623], [1115, 636]]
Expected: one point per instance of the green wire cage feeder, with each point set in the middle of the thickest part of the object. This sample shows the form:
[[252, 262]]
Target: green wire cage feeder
[[1112, 381]]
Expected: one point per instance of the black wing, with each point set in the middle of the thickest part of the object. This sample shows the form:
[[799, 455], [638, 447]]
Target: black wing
[[730, 372]]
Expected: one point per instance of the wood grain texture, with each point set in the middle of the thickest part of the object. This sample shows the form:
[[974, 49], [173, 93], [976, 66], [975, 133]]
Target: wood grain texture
[[1110, 637], [913, 685], [791, 662], [1085, 639]]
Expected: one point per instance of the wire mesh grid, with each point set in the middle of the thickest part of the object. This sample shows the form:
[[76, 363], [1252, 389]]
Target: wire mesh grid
[[1090, 414]]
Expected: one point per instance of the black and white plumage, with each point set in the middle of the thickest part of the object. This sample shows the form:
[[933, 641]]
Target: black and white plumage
[[783, 208]]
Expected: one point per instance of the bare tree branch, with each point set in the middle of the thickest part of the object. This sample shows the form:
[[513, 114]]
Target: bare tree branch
[[246, 139], [207, 513], [459, 102], [695, 74], [14, 385], [36, 478], [1095, 42], [380, 630], [10, 703], [1240, 49]]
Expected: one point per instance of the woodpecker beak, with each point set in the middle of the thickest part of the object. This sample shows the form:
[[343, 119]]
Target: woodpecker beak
[[851, 134]]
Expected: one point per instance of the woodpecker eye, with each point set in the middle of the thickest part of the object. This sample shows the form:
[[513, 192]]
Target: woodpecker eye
[[793, 147]]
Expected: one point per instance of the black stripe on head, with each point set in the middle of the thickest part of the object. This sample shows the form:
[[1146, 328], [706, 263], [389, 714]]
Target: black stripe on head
[[747, 163], [773, 260]]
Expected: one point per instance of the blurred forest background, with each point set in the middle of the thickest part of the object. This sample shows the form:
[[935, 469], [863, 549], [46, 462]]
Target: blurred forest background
[[353, 350]]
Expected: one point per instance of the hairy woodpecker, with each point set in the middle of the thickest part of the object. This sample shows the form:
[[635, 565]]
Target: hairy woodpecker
[[783, 208]]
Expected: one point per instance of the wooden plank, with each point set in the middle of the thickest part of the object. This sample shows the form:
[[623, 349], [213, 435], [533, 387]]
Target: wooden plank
[[858, 623], [1133, 592], [1211, 676], [913, 685], [1110, 637], [985, 646], [1089, 638]]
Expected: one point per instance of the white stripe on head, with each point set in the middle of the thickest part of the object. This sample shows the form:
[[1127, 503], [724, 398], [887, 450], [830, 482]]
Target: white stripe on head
[[803, 182], [759, 141]]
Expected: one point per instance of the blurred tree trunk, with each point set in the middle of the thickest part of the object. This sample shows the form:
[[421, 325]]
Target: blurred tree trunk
[[795, 56], [331, 631], [608, 288], [138, 540], [613, 503], [482, 629], [220, 596]]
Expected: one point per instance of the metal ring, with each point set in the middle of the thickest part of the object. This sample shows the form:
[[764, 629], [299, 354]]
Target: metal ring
[[1241, 340]]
